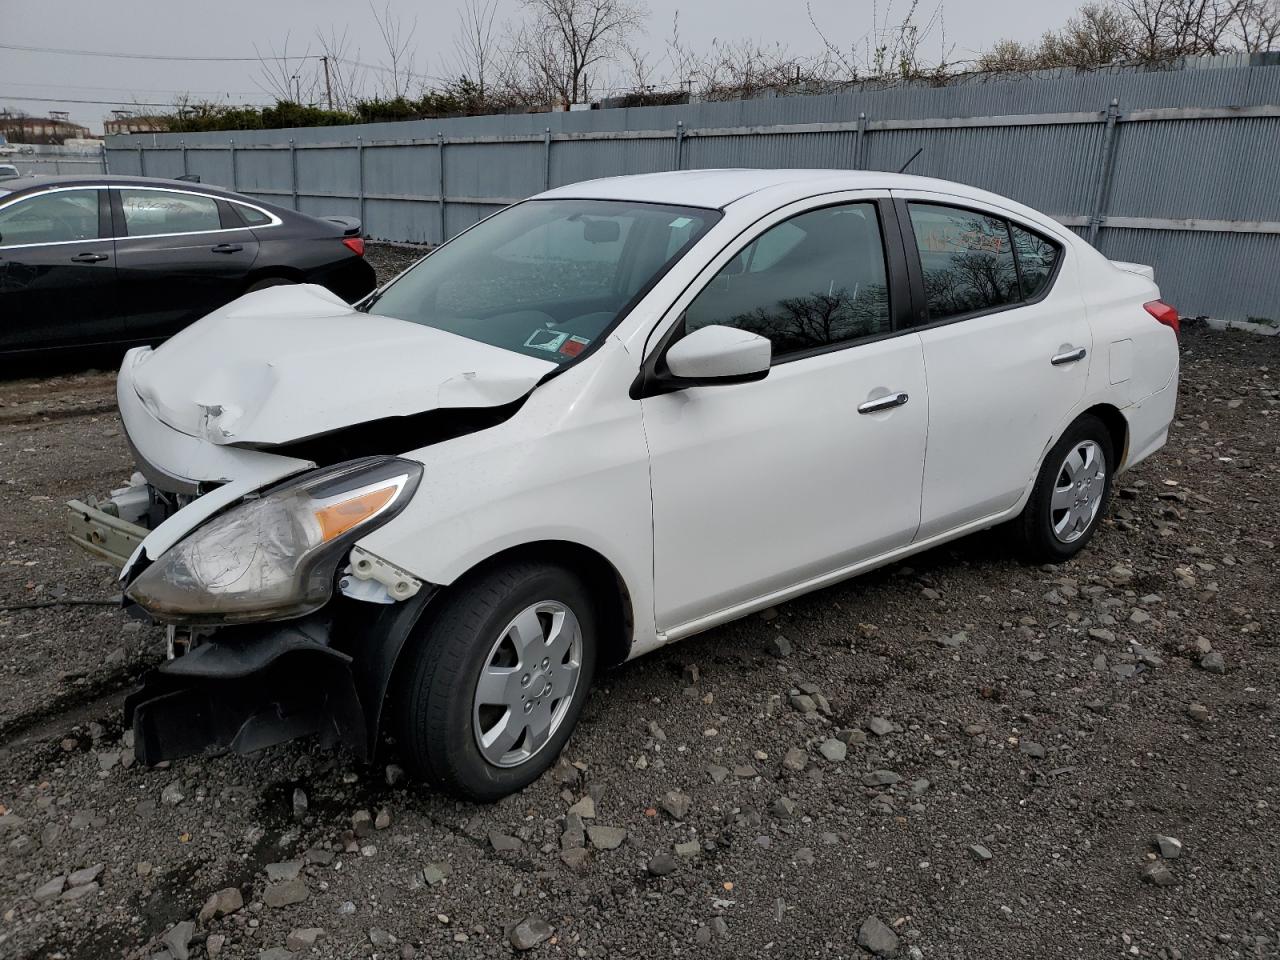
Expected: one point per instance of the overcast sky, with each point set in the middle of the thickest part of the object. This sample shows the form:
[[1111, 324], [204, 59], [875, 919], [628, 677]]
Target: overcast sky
[[232, 28]]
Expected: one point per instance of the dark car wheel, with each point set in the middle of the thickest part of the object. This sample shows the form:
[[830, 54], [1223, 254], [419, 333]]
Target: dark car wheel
[[494, 684], [269, 282], [1070, 494]]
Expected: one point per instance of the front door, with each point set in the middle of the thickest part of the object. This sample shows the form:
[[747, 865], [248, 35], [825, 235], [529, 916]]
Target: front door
[[176, 260], [57, 271], [759, 487]]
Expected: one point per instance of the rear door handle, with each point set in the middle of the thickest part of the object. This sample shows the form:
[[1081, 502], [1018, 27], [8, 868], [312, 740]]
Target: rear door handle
[[228, 248], [88, 258], [1071, 356], [883, 403]]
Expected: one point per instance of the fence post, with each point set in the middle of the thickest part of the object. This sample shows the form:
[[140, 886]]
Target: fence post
[[142, 161], [360, 175], [440, 158], [546, 159], [860, 144], [293, 172], [679, 164], [1097, 215], [231, 145], [183, 144]]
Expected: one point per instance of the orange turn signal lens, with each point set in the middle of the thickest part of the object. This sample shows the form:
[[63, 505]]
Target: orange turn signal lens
[[336, 519]]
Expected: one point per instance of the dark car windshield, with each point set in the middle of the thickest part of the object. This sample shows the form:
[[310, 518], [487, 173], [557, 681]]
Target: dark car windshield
[[546, 278]]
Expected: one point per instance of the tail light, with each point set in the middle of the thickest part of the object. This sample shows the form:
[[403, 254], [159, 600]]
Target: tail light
[[356, 246], [1164, 314]]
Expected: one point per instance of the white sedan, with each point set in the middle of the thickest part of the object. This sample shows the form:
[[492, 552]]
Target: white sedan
[[604, 419]]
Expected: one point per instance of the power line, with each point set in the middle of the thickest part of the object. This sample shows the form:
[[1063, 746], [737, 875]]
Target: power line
[[117, 103], [85, 86], [153, 56]]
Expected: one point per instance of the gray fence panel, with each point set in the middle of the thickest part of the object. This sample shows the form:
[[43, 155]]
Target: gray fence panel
[[1226, 275], [1217, 169]]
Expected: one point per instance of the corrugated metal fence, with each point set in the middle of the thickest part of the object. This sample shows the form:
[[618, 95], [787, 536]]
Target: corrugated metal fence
[[43, 159], [1180, 169]]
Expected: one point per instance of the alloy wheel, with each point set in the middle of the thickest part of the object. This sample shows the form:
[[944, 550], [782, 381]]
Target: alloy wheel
[[1078, 490], [527, 683]]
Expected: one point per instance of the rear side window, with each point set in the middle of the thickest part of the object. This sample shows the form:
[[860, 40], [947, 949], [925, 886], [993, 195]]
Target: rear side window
[[807, 283], [58, 217], [151, 212], [252, 215], [973, 262], [1036, 257]]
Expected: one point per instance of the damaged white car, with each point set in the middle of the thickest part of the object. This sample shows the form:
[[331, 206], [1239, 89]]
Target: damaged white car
[[604, 419]]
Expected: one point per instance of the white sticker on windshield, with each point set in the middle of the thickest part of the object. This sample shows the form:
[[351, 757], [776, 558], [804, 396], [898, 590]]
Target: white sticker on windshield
[[679, 222], [547, 340]]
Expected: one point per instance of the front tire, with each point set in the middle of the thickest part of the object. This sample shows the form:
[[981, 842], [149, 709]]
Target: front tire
[[495, 682], [1070, 495]]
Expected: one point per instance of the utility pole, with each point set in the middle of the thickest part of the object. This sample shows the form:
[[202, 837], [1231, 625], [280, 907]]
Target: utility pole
[[297, 89], [328, 90]]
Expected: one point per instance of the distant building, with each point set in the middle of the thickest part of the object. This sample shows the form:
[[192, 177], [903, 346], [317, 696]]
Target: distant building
[[54, 128], [125, 121]]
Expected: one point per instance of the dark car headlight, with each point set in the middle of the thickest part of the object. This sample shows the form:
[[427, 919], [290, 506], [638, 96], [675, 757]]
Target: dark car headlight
[[274, 557]]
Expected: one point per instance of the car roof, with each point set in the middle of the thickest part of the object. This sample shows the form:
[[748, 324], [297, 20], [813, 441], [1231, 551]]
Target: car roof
[[720, 188], [43, 181]]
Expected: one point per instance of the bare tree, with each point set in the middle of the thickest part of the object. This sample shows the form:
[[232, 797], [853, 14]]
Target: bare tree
[[1258, 26], [568, 41], [290, 78], [346, 80], [475, 44], [398, 40]]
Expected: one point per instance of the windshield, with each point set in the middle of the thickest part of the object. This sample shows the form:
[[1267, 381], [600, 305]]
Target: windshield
[[546, 278]]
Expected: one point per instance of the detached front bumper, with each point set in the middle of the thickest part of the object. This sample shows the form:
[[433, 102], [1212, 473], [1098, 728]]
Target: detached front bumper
[[250, 687]]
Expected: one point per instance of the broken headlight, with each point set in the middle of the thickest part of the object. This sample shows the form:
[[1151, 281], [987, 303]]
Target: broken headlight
[[274, 557]]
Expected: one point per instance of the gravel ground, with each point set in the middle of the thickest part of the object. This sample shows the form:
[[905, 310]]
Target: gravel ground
[[965, 757]]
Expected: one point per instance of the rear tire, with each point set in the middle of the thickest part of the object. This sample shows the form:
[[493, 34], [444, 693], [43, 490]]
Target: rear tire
[[495, 681], [270, 282], [1070, 495]]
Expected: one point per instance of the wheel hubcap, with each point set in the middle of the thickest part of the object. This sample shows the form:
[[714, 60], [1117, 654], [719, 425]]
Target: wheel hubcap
[[527, 683], [1077, 493]]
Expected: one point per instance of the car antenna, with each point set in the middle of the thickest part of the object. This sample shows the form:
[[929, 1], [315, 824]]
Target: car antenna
[[919, 151]]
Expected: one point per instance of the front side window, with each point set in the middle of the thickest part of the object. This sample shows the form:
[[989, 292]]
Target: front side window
[[807, 283], [59, 217], [967, 260], [546, 278], [148, 213]]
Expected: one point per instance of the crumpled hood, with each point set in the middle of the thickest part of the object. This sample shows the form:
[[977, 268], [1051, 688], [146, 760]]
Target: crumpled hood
[[290, 362]]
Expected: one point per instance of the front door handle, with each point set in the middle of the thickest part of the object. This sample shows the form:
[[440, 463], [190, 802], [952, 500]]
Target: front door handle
[[883, 403], [228, 248], [1071, 356], [88, 258]]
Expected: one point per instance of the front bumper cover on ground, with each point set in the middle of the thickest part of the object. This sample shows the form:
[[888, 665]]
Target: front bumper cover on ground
[[251, 687]]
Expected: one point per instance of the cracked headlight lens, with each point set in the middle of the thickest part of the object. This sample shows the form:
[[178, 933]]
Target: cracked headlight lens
[[274, 557]]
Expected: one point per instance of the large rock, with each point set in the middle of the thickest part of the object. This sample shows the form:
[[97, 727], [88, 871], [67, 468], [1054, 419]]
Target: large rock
[[606, 838], [285, 893], [225, 901], [529, 932], [876, 936], [178, 939]]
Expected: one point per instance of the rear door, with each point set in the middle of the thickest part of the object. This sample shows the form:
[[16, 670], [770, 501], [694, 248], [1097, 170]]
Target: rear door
[[180, 255], [57, 270], [1007, 348]]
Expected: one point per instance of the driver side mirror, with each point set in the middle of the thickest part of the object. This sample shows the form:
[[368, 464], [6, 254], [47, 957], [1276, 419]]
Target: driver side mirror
[[714, 355]]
